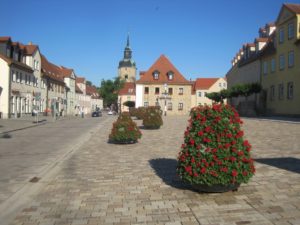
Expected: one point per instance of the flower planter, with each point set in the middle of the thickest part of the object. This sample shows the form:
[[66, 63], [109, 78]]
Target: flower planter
[[151, 127], [216, 188], [123, 142]]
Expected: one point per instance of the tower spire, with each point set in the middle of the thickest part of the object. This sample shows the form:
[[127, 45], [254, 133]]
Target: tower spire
[[127, 40]]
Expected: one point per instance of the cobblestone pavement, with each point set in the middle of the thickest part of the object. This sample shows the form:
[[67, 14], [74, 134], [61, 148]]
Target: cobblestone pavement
[[102, 183]]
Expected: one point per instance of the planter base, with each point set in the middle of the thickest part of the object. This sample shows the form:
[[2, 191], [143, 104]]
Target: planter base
[[217, 188], [125, 142]]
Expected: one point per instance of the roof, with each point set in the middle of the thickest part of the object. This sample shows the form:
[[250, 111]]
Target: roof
[[261, 39], [295, 8], [51, 70], [5, 39], [91, 90], [30, 49], [16, 63], [80, 80], [66, 72], [128, 89], [163, 66], [205, 83]]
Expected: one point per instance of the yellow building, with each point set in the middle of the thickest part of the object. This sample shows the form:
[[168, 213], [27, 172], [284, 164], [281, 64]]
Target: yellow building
[[163, 85], [280, 64]]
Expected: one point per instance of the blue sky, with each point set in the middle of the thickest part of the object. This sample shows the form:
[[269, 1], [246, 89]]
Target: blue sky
[[199, 37]]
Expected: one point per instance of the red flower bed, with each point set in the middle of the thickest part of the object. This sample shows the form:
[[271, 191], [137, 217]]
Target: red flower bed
[[214, 150]]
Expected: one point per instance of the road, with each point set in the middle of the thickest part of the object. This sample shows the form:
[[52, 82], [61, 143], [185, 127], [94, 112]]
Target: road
[[36, 152]]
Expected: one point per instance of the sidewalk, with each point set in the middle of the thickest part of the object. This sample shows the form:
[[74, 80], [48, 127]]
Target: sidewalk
[[103, 183], [14, 124]]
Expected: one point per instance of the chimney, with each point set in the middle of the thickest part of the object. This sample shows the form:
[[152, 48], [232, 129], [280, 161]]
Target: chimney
[[142, 73], [30, 43]]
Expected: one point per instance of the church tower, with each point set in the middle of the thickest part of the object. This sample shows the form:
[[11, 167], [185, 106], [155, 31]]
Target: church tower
[[127, 67]]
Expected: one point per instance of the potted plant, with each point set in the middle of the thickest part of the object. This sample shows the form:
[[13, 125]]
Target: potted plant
[[124, 130], [152, 118], [214, 156]]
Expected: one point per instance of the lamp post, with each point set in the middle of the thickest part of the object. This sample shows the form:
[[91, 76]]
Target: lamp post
[[165, 94]]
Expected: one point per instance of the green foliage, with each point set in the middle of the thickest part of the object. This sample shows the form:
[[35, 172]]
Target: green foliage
[[109, 91], [124, 130], [129, 104], [140, 113], [214, 151], [235, 91], [152, 118]]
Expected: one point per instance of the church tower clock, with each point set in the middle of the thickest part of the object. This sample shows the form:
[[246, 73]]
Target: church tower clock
[[127, 67]]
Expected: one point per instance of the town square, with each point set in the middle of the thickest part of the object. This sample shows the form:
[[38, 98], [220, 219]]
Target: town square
[[156, 114]]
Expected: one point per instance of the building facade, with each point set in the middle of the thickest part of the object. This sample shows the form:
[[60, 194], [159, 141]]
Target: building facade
[[163, 85], [280, 71]]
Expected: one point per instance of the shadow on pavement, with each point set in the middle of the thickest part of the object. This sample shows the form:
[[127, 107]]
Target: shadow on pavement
[[6, 135], [166, 169], [287, 163]]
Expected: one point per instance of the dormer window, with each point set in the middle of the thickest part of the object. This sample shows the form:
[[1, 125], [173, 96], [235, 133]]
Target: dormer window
[[170, 75], [156, 75]]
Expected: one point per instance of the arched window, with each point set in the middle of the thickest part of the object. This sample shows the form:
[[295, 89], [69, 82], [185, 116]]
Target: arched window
[[126, 77]]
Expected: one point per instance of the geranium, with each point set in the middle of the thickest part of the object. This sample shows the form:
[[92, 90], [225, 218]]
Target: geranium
[[214, 151], [124, 130]]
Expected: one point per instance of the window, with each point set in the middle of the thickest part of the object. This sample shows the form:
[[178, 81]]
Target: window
[[265, 67], [180, 106], [146, 90], [170, 106], [126, 77], [280, 91], [273, 65], [130, 90], [157, 90], [224, 84], [8, 52], [291, 58], [170, 91], [205, 94], [281, 62], [281, 35], [170, 75], [146, 104], [291, 31], [220, 84], [18, 77], [199, 94], [272, 94], [290, 90], [181, 91], [13, 76], [21, 78], [155, 75]]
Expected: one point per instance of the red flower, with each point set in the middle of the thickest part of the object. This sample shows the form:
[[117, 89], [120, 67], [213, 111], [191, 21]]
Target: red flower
[[203, 170], [196, 175], [234, 173], [200, 133], [192, 141], [245, 173], [227, 145], [229, 135], [193, 160], [246, 143], [207, 129], [188, 169]]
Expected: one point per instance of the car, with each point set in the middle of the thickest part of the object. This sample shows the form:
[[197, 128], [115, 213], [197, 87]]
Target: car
[[110, 112], [96, 114]]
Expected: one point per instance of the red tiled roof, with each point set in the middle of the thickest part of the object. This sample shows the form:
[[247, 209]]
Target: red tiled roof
[[16, 63], [163, 66], [30, 49], [205, 83], [128, 89], [51, 70], [66, 72], [295, 8], [91, 90], [80, 80], [261, 39], [5, 39]]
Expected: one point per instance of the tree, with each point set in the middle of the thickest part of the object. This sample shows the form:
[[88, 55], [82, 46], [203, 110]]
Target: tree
[[129, 104], [109, 90], [89, 83]]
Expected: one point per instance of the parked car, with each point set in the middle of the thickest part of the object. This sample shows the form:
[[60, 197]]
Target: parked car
[[96, 114], [110, 112]]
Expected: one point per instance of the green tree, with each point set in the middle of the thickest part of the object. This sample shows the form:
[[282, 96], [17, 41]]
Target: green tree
[[89, 83], [109, 90]]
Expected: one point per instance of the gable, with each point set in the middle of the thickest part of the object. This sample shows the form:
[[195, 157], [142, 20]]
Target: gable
[[284, 15], [162, 71]]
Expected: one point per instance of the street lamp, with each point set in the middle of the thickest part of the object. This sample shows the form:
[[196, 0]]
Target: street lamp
[[165, 94]]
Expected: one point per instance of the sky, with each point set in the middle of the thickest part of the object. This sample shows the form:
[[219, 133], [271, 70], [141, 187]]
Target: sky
[[200, 37]]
